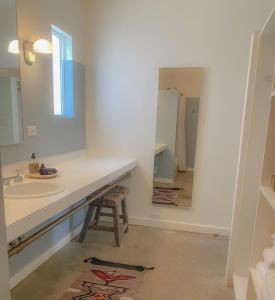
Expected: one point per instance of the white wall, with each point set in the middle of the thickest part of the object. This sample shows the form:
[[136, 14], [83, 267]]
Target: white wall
[[128, 42]]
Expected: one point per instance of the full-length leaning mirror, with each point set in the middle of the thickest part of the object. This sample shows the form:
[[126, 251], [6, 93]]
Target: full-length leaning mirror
[[11, 131], [179, 95]]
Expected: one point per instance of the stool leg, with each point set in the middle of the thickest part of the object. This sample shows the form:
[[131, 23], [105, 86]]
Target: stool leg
[[86, 222], [124, 213], [98, 210], [116, 225]]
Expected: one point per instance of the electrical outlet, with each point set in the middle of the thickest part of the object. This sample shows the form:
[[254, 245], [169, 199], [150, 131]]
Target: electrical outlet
[[32, 130], [155, 216]]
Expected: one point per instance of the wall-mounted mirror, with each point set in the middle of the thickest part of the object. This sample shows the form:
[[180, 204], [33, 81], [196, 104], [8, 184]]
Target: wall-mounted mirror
[[11, 131], [179, 97]]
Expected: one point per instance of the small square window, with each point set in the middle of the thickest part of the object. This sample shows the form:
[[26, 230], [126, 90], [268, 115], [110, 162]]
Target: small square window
[[63, 91]]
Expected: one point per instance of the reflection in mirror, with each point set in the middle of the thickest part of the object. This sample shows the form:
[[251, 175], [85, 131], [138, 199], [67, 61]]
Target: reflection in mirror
[[11, 131], [179, 96]]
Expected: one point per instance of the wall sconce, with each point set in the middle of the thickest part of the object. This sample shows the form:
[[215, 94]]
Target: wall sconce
[[30, 49], [40, 46]]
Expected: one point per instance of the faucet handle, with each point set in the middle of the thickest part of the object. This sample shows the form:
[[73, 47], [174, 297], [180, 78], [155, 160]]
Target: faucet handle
[[18, 178], [18, 171]]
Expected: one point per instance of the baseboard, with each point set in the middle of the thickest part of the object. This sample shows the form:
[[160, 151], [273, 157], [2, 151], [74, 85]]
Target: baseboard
[[163, 180], [22, 274], [164, 224]]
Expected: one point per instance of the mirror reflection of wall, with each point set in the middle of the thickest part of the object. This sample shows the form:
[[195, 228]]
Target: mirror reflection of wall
[[52, 78], [179, 97], [11, 131]]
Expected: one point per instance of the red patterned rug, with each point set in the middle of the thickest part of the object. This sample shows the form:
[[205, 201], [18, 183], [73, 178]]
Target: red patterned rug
[[104, 283]]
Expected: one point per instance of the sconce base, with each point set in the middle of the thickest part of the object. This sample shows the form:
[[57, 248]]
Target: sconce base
[[29, 54]]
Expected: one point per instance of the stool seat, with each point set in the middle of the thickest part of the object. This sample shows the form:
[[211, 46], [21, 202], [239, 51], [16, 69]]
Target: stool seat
[[115, 196], [114, 199]]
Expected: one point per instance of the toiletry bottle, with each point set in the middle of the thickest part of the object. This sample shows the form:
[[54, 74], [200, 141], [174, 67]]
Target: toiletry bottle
[[33, 164]]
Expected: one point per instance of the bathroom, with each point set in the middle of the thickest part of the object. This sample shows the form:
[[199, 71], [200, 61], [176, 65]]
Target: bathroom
[[80, 83]]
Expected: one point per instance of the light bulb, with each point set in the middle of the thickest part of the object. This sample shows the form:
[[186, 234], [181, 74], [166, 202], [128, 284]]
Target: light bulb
[[43, 46], [14, 47]]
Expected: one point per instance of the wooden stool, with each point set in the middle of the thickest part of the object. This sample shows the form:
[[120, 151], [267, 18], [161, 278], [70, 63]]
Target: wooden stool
[[111, 200]]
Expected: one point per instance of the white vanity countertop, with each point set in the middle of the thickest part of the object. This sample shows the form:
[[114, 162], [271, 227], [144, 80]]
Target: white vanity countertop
[[80, 177], [160, 148]]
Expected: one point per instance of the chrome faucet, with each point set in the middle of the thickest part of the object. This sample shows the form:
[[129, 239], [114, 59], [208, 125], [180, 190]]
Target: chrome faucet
[[17, 179]]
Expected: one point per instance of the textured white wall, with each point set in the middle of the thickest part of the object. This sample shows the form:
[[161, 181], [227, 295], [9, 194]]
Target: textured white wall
[[128, 42]]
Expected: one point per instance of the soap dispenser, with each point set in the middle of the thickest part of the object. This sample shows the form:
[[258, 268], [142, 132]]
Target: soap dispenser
[[34, 164]]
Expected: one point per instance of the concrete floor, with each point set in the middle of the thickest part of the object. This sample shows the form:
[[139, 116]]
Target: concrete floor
[[188, 266], [185, 180]]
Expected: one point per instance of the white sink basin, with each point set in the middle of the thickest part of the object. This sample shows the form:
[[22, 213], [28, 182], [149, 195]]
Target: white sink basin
[[32, 189]]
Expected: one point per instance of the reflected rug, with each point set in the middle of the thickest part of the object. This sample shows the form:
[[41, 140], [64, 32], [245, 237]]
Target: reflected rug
[[166, 196], [102, 280]]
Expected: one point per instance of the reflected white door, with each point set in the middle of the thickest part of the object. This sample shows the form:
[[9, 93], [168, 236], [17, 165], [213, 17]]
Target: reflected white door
[[4, 269]]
